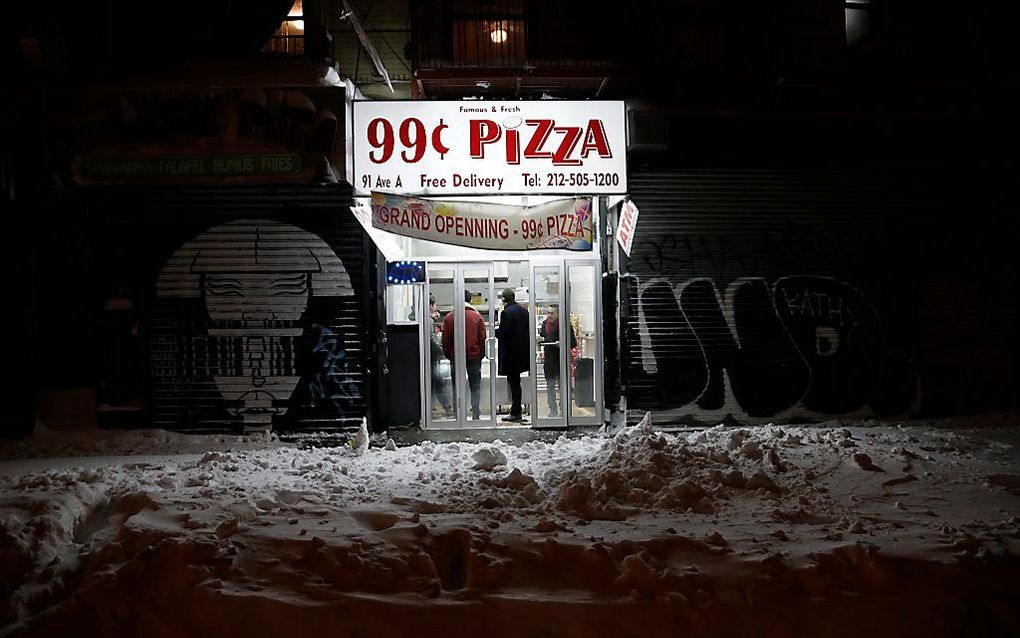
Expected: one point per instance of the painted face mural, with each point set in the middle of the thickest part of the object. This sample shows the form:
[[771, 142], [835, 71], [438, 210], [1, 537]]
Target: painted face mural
[[256, 279]]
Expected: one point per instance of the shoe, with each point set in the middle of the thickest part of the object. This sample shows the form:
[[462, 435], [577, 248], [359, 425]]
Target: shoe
[[475, 416], [554, 415], [512, 418]]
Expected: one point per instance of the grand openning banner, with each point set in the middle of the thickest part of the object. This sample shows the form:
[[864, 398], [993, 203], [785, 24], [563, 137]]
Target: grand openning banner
[[563, 223]]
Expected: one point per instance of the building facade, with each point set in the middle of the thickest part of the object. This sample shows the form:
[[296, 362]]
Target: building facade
[[825, 231]]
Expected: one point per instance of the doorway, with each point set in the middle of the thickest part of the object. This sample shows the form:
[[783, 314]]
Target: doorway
[[462, 387]]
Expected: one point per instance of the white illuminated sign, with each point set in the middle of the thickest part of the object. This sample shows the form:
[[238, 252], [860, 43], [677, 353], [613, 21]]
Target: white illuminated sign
[[489, 147], [627, 226]]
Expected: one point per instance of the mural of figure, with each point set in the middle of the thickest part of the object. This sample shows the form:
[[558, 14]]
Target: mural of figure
[[256, 278]]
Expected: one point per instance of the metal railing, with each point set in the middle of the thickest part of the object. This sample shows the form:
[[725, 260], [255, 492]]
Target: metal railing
[[510, 34], [286, 44], [304, 33]]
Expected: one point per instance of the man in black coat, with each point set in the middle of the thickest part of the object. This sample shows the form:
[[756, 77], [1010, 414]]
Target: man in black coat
[[514, 348]]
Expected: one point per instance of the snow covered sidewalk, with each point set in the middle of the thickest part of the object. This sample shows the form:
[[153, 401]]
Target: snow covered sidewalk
[[844, 529]]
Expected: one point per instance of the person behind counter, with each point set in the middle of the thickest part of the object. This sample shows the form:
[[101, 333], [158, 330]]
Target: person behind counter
[[549, 337]]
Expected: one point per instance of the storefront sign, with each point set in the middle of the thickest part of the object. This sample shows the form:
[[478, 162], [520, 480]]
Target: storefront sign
[[255, 135], [627, 226], [489, 147], [128, 168], [564, 223]]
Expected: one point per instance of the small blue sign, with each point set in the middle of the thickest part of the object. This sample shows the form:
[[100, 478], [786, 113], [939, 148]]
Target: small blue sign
[[405, 272]]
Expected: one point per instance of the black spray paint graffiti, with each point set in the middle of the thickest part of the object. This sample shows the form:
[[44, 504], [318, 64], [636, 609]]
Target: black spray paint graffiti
[[243, 336], [804, 347], [332, 382]]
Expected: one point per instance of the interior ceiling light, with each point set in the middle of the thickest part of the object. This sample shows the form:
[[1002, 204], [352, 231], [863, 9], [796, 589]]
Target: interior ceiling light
[[295, 17], [498, 35]]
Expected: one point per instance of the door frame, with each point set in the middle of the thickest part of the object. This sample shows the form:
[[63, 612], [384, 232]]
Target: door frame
[[559, 422], [598, 367], [460, 344], [459, 376]]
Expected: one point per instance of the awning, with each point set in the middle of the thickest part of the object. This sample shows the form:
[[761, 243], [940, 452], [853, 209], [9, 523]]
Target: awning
[[384, 241]]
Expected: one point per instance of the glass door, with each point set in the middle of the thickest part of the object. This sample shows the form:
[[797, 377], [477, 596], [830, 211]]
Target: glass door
[[564, 383], [550, 348], [440, 294], [461, 335], [515, 276], [584, 383], [475, 354]]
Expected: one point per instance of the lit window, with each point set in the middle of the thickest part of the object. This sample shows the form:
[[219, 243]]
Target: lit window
[[289, 38], [857, 13]]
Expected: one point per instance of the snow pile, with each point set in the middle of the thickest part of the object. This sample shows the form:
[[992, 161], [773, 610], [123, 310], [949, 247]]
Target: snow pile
[[725, 531]]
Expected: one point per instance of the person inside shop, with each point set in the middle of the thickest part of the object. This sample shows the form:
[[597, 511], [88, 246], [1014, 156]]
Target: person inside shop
[[439, 391], [514, 350], [549, 337], [474, 349]]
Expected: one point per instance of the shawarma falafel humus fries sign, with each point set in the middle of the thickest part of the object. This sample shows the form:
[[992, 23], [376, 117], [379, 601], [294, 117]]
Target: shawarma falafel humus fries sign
[[563, 223], [489, 147]]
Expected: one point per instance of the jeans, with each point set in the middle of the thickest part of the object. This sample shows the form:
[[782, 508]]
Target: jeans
[[474, 378], [474, 373], [514, 381]]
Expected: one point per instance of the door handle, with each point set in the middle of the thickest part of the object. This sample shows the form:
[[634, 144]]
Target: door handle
[[489, 349]]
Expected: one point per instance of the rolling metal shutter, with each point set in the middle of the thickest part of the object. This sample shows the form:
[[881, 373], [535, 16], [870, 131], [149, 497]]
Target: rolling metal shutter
[[304, 359], [755, 295]]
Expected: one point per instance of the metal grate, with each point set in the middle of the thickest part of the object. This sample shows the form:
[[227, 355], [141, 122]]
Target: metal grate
[[302, 358]]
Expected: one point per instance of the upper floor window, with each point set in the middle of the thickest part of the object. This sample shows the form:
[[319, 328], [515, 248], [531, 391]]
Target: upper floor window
[[470, 33], [858, 21], [290, 37], [488, 33]]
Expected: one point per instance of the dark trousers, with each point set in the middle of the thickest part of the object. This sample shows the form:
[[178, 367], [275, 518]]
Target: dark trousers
[[474, 377], [514, 381], [551, 382]]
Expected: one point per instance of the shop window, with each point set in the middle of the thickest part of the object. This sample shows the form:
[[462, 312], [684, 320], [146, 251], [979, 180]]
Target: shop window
[[401, 302]]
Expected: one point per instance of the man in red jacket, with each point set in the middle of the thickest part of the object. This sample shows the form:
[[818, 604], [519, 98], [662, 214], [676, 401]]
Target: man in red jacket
[[474, 349]]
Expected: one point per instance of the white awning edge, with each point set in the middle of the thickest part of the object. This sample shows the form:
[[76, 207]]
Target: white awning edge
[[613, 200], [384, 241]]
